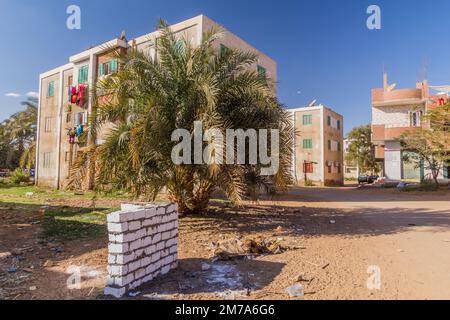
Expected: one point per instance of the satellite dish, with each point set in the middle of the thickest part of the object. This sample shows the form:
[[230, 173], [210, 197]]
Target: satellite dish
[[312, 103], [391, 87]]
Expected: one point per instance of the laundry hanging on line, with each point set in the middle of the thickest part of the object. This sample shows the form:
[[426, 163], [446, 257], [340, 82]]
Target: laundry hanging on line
[[78, 95]]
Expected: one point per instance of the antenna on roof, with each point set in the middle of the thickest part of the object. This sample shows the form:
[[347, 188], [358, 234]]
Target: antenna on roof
[[123, 36], [391, 87], [312, 103]]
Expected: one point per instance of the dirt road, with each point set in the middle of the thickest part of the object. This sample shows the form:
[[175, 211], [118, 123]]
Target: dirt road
[[343, 238]]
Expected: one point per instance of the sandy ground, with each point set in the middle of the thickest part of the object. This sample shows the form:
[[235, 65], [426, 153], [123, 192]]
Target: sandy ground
[[344, 236]]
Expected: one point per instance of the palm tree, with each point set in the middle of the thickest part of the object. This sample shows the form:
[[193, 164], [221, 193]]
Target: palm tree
[[148, 99], [19, 133]]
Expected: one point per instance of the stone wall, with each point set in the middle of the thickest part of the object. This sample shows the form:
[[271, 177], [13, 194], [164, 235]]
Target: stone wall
[[143, 244]]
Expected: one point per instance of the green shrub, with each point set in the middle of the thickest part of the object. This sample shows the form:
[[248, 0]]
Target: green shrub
[[20, 176], [309, 183]]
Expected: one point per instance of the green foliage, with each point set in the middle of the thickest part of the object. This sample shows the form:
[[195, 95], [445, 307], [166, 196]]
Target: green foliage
[[17, 137], [309, 183], [148, 99], [20, 176], [361, 149], [430, 144]]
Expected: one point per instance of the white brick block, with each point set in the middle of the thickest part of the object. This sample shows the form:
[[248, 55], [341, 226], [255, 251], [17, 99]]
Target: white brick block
[[139, 214], [118, 270], [145, 262], [161, 211], [118, 227], [174, 233], [150, 250], [172, 208], [131, 207], [115, 292], [134, 225], [156, 220], [168, 260], [156, 238], [160, 246], [125, 258], [110, 281], [136, 244], [150, 269], [124, 237], [140, 273], [173, 249], [173, 216], [164, 253], [111, 259], [135, 284], [140, 234], [166, 235], [164, 219], [176, 224], [171, 242], [147, 278], [156, 256], [147, 241], [165, 270], [134, 266], [118, 248], [123, 281], [158, 265], [111, 237], [146, 222], [162, 228], [139, 253], [150, 213]]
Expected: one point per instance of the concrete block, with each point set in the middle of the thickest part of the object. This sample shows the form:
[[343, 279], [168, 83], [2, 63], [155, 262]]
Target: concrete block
[[161, 211], [146, 241], [140, 273], [141, 233], [133, 266], [174, 233], [118, 248], [124, 237], [115, 292], [118, 270], [131, 207], [118, 227], [150, 269], [156, 238], [165, 270], [145, 262], [156, 256], [150, 250], [123, 281], [111, 259], [136, 244], [150, 213], [173, 249], [139, 214], [125, 258], [166, 235], [134, 225], [160, 246]]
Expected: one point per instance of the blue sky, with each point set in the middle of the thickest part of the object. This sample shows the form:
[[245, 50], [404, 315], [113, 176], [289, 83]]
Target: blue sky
[[323, 48]]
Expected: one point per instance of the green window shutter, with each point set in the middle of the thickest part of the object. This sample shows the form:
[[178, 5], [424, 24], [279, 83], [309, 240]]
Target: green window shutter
[[114, 65], [307, 144], [101, 69], [83, 74], [307, 119], [224, 50], [51, 89], [261, 71], [329, 121]]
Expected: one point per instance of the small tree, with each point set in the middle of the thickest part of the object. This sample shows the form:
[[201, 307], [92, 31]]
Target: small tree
[[431, 143], [361, 148]]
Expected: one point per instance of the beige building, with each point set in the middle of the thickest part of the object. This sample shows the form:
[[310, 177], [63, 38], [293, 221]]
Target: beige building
[[59, 117], [318, 146]]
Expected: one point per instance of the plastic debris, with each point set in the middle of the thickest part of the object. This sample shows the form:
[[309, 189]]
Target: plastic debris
[[29, 194], [33, 288], [11, 270], [296, 290]]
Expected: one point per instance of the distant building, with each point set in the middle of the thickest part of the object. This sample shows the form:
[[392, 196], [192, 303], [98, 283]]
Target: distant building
[[318, 145], [65, 106], [395, 111]]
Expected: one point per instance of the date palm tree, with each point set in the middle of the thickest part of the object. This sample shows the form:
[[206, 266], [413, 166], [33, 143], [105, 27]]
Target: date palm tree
[[150, 98]]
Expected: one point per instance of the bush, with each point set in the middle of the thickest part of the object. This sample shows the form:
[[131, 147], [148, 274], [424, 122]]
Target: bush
[[20, 176], [309, 183]]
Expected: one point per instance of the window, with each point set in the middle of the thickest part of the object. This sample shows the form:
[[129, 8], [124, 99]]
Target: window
[[339, 124], [108, 67], [416, 119], [261, 71], [224, 50], [329, 144], [47, 160], [80, 118], [307, 144], [339, 168], [51, 89], [68, 117], [307, 119], [48, 124], [329, 121], [339, 147], [179, 45], [70, 81], [83, 74], [329, 168]]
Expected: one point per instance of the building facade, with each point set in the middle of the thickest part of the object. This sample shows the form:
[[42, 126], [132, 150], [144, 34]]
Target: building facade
[[394, 112], [65, 105], [318, 146]]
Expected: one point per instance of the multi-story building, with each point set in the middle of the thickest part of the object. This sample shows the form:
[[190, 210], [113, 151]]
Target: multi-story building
[[395, 111], [60, 117], [318, 145]]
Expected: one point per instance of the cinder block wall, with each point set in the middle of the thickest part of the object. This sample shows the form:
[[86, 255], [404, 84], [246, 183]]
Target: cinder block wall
[[143, 244]]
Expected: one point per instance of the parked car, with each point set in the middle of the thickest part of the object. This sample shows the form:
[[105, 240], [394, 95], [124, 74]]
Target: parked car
[[369, 179], [4, 173]]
